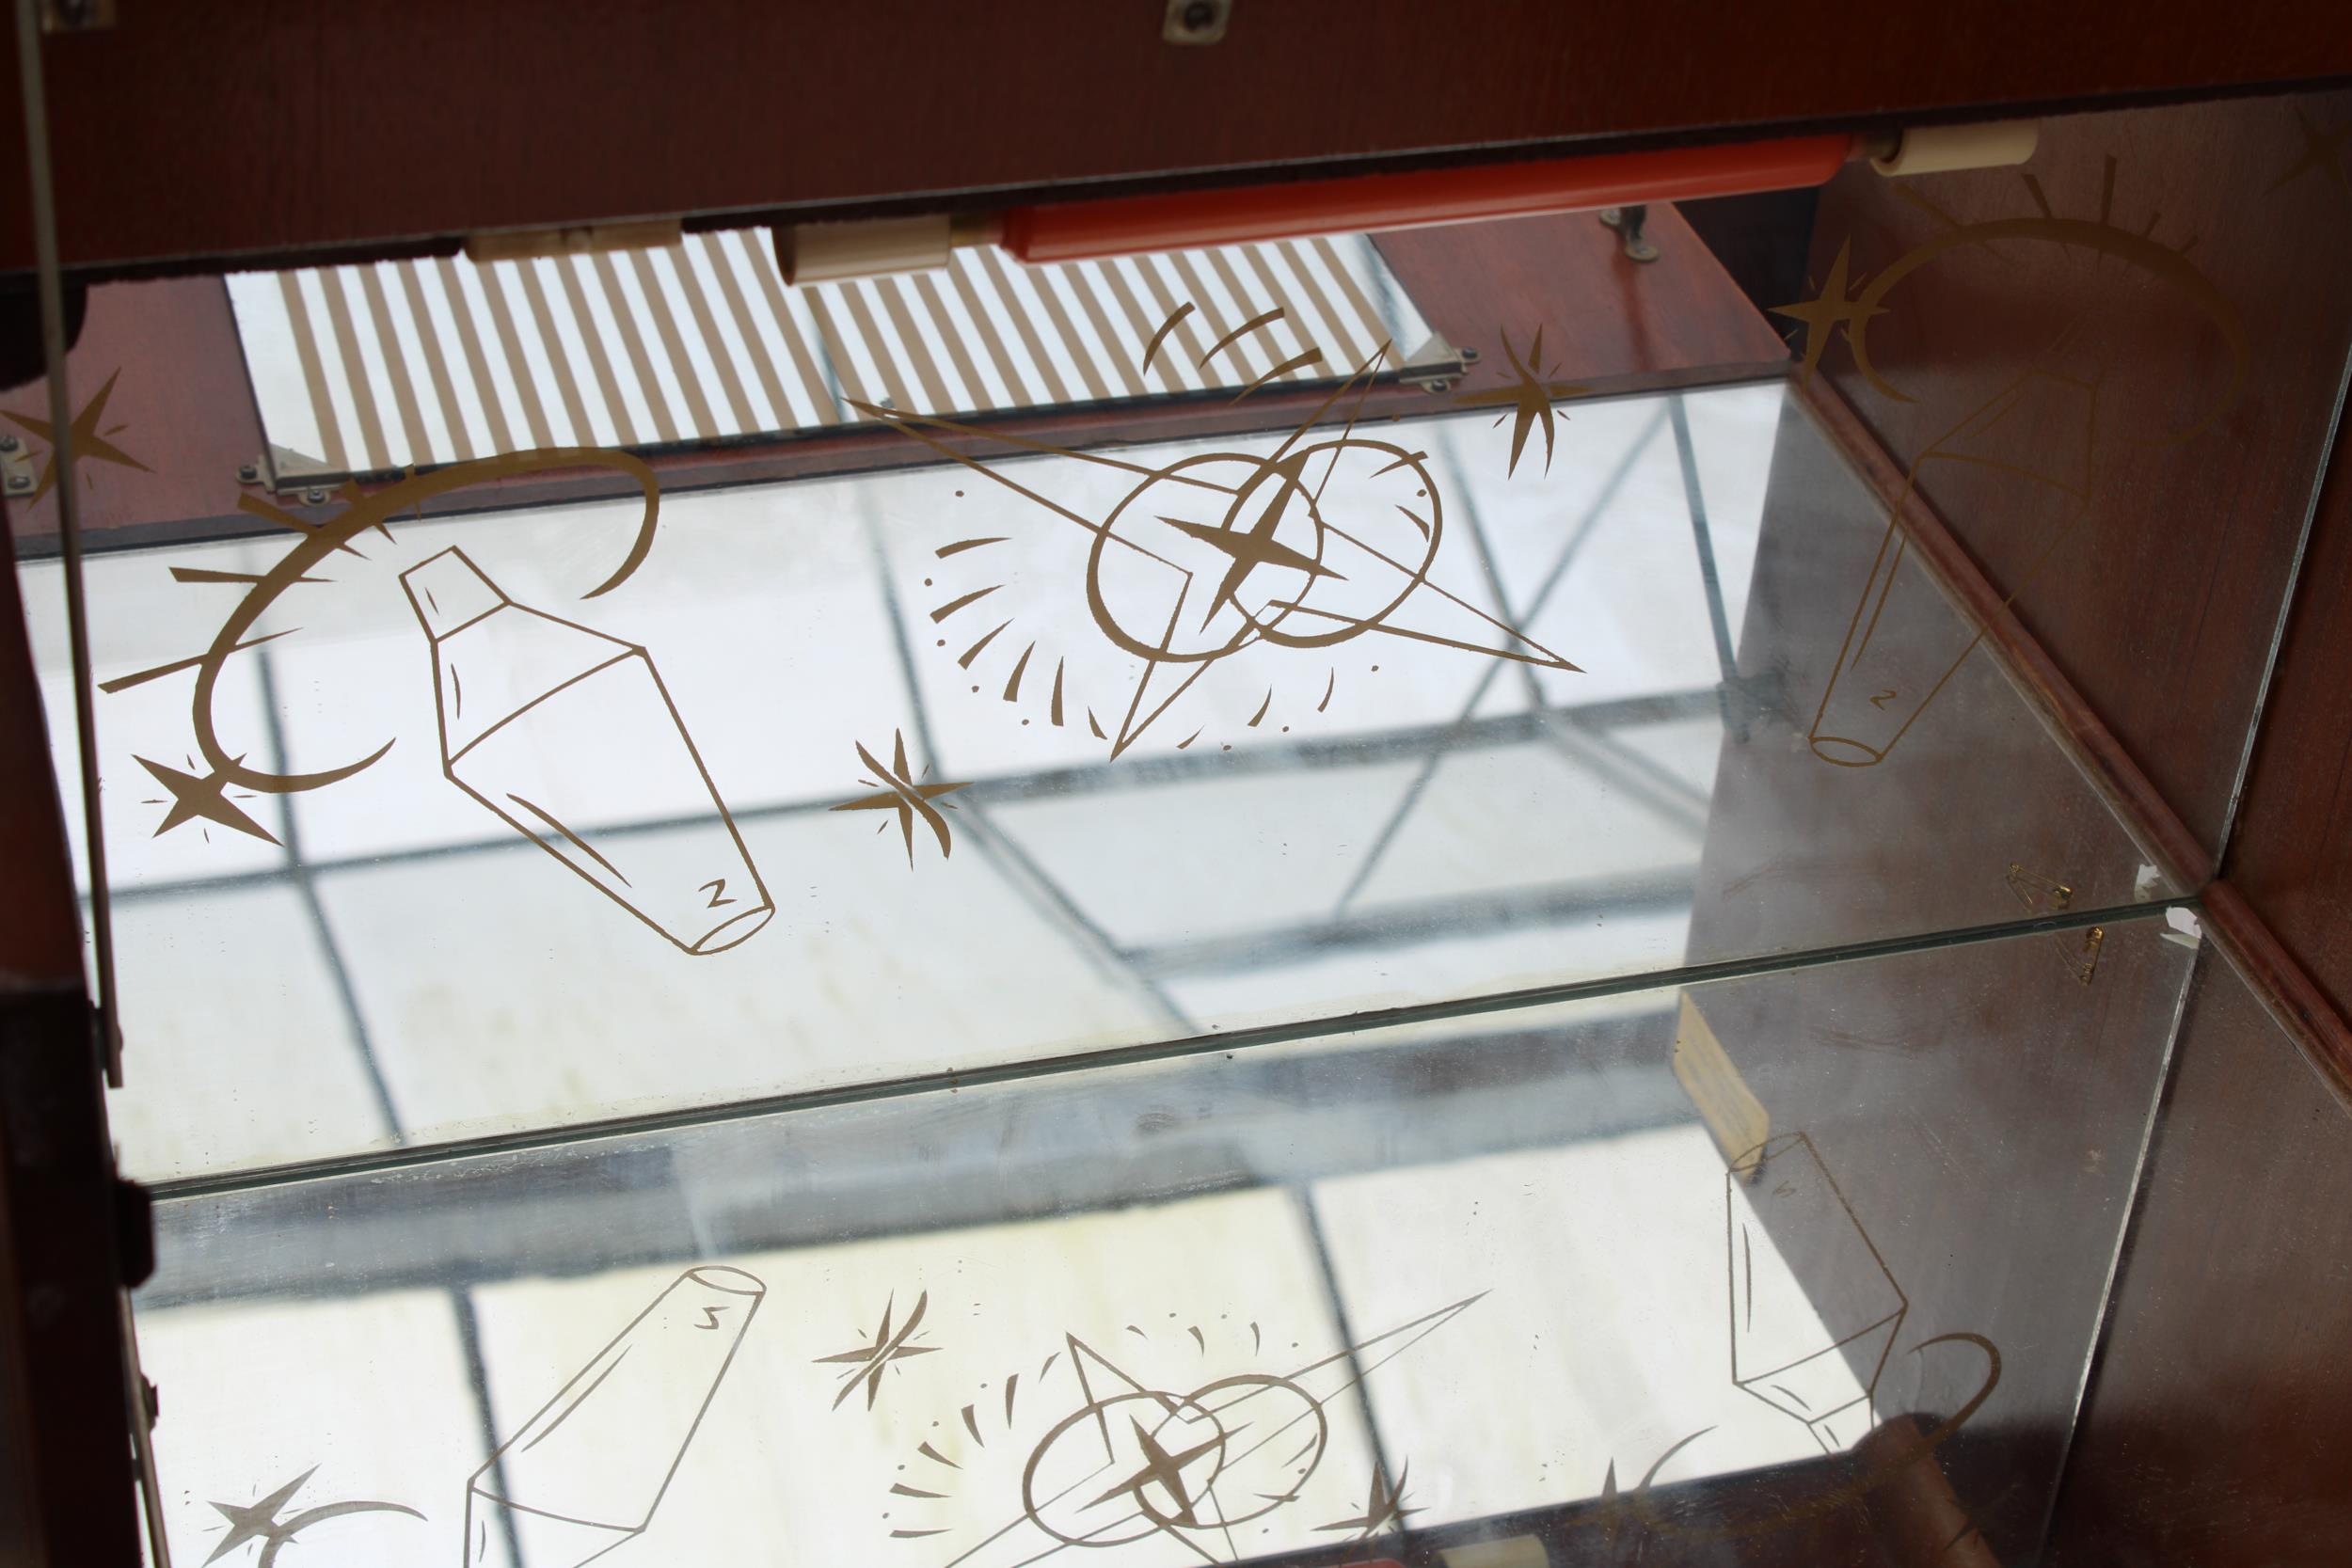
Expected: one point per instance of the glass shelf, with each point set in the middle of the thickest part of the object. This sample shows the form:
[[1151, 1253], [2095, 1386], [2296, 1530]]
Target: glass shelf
[[1220, 907]]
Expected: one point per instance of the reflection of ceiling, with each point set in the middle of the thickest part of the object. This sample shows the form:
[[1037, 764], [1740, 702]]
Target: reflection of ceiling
[[1585, 1265], [900, 1166], [1448, 829], [372, 368]]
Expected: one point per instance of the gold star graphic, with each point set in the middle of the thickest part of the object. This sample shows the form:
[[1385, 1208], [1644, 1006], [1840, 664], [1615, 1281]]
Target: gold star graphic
[[1244, 552], [897, 791], [1383, 1508], [1529, 399], [259, 1521], [868, 1363], [1610, 1517], [1166, 1470], [1823, 314], [256, 1520], [87, 440], [2322, 151], [192, 796]]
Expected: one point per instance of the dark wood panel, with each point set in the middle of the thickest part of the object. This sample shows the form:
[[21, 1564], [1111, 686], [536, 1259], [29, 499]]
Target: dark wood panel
[[62, 1374], [1610, 324], [213, 127], [40, 943], [165, 359], [2161, 605], [2214, 1430], [2112, 773], [2292, 853]]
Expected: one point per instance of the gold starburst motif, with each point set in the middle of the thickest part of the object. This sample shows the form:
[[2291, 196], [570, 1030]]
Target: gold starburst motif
[[1882, 683], [1825, 312], [88, 440], [1384, 1506], [899, 790], [2323, 151], [1527, 401], [204, 796], [259, 1521], [868, 1362], [1284, 557], [1210, 1435]]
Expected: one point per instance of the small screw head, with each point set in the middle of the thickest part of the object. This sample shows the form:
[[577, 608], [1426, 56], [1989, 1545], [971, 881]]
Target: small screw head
[[315, 496], [1196, 21], [10, 443], [20, 482], [249, 472]]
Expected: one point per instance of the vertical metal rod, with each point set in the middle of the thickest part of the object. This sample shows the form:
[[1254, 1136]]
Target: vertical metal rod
[[143, 1441], [1327, 1271], [2287, 599], [28, 70], [1717, 616]]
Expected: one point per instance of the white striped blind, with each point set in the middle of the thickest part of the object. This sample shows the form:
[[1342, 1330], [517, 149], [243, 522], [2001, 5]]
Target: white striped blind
[[374, 367]]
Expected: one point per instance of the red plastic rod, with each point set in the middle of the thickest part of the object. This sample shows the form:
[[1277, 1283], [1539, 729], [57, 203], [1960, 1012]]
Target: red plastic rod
[[1126, 226]]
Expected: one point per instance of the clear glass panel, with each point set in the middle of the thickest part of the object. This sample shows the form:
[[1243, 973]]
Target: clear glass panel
[[638, 819], [1702, 1241], [1506, 890]]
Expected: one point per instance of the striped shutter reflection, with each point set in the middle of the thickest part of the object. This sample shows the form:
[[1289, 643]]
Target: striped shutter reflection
[[377, 367]]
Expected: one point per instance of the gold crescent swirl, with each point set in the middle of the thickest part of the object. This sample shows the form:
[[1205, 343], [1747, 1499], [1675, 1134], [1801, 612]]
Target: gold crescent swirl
[[2158, 261], [363, 514]]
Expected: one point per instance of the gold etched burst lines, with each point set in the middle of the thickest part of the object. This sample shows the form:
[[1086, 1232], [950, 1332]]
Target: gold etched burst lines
[[1834, 310], [1261, 323], [899, 790], [1384, 1506], [259, 1520], [2323, 153], [1890, 668], [868, 1362], [87, 440], [1302, 549], [1095, 1451], [1527, 401]]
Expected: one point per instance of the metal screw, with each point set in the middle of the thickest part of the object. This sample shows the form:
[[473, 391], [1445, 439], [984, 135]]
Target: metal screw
[[1196, 21], [249, 472], [8, 443], [315, 496], [20, 482]]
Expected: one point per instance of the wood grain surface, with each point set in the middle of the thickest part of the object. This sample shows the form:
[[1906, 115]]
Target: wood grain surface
[[2292, 854], [1610, 324], [2161, 607], [210, 128], [2213, 1431]]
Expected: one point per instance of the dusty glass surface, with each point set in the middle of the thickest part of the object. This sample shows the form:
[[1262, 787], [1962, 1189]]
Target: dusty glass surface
[[1234, 1304], [1320, 902], [619, 821]]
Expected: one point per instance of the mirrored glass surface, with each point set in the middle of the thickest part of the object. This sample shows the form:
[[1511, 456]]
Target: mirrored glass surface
[[1700, 1264]]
